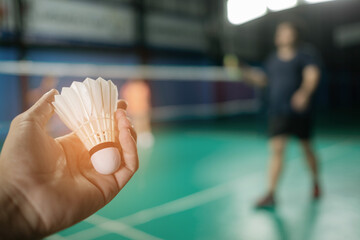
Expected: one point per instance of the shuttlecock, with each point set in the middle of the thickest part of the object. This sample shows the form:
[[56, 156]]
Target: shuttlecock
[[88, 108]]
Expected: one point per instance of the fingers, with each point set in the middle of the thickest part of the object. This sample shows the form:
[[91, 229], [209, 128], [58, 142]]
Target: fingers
[[43, 109], [127, 138], [122, 104]]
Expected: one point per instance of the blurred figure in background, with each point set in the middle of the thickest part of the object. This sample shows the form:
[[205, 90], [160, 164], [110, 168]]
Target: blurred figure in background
[[138, 95], [55, 127], [47, 83], [292, 76]]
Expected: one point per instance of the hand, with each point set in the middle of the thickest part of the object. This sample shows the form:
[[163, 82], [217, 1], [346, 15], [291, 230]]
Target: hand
[[254, 76], [49, 184], [300, 101]]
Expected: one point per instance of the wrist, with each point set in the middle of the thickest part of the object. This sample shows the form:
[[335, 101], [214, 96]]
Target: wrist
[[15, 214]]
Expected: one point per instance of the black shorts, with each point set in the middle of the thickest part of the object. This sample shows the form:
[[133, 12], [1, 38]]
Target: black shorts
[[298, 126]]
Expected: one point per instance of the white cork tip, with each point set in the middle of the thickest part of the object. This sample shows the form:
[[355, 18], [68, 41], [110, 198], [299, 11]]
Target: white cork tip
[[106, 161]]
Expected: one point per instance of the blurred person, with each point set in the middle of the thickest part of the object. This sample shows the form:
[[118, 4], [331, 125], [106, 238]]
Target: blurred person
[[48, 184], [55, 127], [138, 94], [292, 75], [46, 84]]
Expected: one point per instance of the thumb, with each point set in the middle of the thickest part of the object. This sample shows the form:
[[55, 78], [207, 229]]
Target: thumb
[[43, 109]]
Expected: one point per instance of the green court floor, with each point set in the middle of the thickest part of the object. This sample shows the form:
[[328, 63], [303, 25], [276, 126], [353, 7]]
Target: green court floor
[[200, 181]]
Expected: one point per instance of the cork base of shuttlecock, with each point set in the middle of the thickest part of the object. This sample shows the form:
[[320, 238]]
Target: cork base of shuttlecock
[[105, 158]]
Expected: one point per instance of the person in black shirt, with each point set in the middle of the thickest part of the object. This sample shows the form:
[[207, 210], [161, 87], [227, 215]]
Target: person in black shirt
[[291, 75]]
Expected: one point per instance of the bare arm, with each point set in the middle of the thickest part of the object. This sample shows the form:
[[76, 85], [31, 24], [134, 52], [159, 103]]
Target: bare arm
[[254, 76], [301, 98], [311, 76]]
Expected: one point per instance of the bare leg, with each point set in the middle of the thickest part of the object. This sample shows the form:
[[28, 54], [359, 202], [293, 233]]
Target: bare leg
[[311, 159], [143, 127], [277, 146], [142, 123], [313, 165]]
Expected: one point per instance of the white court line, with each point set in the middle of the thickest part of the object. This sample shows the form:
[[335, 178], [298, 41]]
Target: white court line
[[91, 233], [105, 226], [187, 202]]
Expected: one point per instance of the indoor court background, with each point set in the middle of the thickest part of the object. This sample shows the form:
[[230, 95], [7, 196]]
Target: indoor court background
[[207, 167]]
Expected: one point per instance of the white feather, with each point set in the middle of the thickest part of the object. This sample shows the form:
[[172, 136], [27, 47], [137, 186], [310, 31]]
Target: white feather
[[114, 99], [88, 109], [84, 95]]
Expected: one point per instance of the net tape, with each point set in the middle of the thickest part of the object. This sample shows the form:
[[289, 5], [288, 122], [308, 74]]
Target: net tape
[[177, 73]]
